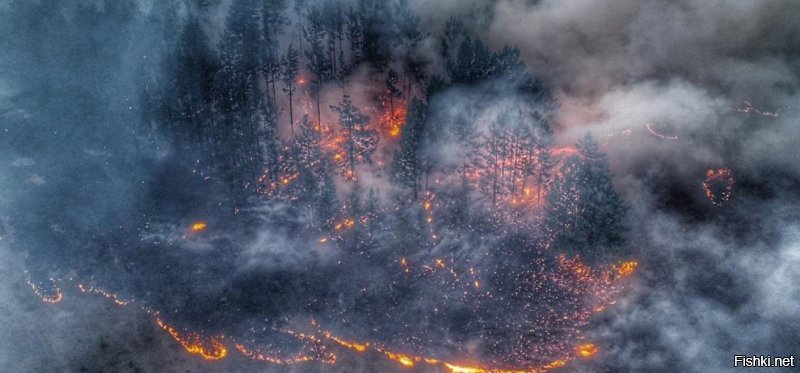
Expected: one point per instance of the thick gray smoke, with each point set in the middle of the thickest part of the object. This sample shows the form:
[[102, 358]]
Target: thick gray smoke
[[670, 90]]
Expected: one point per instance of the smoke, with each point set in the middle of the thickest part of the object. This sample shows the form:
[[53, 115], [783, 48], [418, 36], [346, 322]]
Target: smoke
[[671, 89]]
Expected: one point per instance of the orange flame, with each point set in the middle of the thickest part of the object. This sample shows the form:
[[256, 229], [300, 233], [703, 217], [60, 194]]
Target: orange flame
[[627, 268], [211, 349], [199, 226], [587, 350]]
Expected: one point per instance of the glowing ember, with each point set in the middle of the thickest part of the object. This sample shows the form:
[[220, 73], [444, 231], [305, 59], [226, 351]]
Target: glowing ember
[[627, 268], [105, 294], [718, 185], [260, 356], [401, 358], [199, 226], [587, 350], [193, 343], [360, 347], [51, 297]]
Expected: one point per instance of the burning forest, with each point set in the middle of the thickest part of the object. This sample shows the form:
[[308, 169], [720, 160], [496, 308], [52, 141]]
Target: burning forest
[[365, 185]]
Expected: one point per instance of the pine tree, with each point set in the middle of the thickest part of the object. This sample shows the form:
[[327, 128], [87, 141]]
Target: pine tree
[[327, 205], [289, 74], [355, 31], [273, 20], [602, 206], [372, 213], [360, 141], [309, 144], [191, 73], [238, 96], [317, 63], [584, 212], [407, 165], [391, 85]]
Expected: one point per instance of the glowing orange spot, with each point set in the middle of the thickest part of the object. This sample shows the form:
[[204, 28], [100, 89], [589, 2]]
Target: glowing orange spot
[[627, 268], [555, 364], [400, 358], [587, 350], [211, 349], [260, 356], [460, 369], [718, 185], [360, 347], [54, 298], [199, 226]]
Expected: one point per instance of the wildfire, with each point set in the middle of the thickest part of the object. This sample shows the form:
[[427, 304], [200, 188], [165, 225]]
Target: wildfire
[[260, 356], [105, 294], [587, 350], [718, 185], [199, 226], [193, 343], [213, 348], [46, 297], [360, 347], [286, 180], [344, 224], [565, 150], [406, 360], [392, 122], [627, 268], [555, 364]]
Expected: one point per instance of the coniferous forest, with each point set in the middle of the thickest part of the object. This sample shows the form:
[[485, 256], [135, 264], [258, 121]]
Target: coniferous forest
[[341, 185]]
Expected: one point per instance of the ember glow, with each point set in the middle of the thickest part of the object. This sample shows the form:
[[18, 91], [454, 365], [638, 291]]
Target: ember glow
[[52, 295], [215, 347], [718, 185], [194, 343], [587, 350], [199, 226], [365, 185]]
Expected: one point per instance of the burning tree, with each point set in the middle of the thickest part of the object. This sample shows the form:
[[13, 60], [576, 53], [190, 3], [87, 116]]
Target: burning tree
[[359, 141]]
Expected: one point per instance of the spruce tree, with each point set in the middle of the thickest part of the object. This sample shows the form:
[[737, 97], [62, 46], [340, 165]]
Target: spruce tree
[[360, 141], [407, 165]]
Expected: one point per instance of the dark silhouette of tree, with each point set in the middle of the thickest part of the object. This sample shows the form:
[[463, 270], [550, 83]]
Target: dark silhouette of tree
[[360, 141], [290, 69], [584, 212], [407, 167]]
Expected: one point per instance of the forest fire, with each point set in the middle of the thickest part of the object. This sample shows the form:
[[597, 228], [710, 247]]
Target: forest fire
[[587, 350], [260, 356], [393, 122], [103, 293], [52, 297], [193, 343], [198, 226], [214, 348], [627, 268], [718, 185]]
